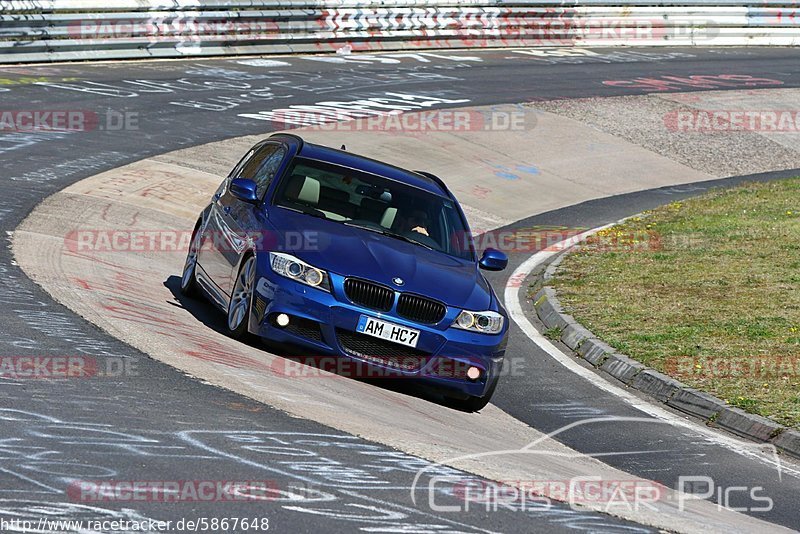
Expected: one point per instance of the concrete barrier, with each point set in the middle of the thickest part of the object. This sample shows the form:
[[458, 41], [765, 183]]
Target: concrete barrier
[[49, 30]]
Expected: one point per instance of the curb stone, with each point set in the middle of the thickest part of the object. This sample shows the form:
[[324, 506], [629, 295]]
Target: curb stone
[[656, 384], [574, 335], [622, 367], [595, 351], [748, 425], [550, 270], [711, 410], [549, 309], [789, 441], [697, 403]]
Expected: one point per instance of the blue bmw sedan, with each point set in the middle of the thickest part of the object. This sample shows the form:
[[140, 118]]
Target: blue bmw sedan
[[350, 258]]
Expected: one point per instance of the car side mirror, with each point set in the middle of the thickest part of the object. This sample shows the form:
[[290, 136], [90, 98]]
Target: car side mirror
[[493, 260], [244, 189]]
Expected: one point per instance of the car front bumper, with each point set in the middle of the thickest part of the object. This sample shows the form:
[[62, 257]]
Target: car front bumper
[[325, 326]]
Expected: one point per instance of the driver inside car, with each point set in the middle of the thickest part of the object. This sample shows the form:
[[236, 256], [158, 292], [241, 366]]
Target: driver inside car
[[417, 221]]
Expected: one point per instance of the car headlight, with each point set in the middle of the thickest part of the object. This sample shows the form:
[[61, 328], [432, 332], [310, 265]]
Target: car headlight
[[296, 269], [487, 322]]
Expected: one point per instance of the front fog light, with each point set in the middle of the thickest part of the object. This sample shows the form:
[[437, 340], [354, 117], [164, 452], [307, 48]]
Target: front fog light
[[282, 320], [473, 373]]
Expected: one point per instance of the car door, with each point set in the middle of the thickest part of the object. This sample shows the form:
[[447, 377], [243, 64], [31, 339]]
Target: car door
[[232, 221]]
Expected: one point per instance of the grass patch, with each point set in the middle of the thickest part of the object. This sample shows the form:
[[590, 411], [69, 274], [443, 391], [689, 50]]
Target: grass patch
[[553, 334], [707, 290]]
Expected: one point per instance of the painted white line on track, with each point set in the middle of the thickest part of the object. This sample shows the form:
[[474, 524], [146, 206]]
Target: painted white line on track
[[748, 449]]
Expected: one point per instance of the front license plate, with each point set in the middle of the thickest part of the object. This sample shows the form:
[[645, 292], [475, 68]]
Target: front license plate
[[388, 331]]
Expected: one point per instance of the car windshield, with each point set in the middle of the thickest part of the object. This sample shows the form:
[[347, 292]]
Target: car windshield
[[377, 204]]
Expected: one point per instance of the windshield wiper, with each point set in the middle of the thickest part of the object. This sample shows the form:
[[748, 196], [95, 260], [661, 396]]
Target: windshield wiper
[[313, 213], [408, 239], [384, 231]]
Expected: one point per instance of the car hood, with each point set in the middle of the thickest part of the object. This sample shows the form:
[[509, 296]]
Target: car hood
[[350, 251]]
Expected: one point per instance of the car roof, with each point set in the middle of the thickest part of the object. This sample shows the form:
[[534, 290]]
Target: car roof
[[363, 163]]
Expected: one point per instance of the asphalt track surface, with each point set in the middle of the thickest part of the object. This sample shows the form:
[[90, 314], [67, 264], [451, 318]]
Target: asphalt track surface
[[161, 425]]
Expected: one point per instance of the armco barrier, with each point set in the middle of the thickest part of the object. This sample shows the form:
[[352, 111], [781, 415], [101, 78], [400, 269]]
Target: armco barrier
[[58, 30]]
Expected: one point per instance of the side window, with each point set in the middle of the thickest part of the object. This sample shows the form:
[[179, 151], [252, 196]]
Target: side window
[[247, 169], [260, 165], [238, 170], [269, 168]]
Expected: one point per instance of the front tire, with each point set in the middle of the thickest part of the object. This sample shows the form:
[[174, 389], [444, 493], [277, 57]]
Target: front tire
[[476, 404], [242, 299]]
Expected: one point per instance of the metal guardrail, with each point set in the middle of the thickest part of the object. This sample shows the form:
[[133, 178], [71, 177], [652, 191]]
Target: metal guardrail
[[59, 30]]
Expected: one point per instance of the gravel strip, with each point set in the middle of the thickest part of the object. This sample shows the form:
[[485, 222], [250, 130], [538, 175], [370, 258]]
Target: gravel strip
[[643, 120]]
